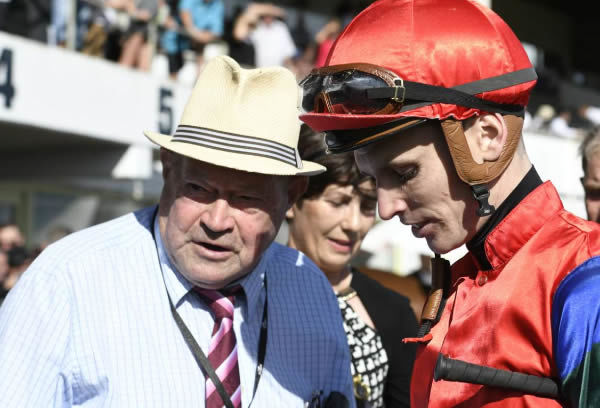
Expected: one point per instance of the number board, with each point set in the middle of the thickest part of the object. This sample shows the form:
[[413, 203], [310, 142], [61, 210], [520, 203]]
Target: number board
[[7, 90]]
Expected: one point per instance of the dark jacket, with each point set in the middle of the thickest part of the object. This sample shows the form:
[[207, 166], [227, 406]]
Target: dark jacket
[[394, 320]]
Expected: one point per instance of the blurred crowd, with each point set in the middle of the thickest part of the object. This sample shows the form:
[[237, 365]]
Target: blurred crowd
[[16, 256], [563, 121], [256, 34], [133, 32]]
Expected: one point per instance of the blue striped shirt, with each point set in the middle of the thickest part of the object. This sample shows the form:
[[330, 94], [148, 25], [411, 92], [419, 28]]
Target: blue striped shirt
[[89, 324]]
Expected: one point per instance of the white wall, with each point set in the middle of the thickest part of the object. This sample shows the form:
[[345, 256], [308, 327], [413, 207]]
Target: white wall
[[70, 92]]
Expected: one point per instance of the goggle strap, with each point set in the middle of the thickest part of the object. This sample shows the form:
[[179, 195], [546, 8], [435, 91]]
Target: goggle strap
[[498, 82], [461, 95], [415, 91]]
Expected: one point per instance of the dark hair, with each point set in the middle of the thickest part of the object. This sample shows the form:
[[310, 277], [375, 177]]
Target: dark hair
[[341, 168]]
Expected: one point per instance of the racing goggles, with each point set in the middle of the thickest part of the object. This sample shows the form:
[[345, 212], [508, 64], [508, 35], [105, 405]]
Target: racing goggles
[[345, 89], [366, 89]]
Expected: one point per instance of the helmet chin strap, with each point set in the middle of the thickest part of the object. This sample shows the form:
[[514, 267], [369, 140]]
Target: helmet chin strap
[[477, 175], [481, 194]]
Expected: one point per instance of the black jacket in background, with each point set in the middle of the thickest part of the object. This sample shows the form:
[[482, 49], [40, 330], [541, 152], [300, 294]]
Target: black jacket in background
[[394, 320]]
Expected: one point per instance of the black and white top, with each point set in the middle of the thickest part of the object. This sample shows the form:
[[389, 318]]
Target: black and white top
[[369, 358]]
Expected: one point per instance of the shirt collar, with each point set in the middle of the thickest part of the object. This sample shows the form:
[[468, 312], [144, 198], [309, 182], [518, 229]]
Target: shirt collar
[[517, 227], [178, 286], [476, 245]]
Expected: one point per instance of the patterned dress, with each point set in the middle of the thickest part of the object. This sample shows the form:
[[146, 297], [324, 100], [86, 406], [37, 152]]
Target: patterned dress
[[369, 361]]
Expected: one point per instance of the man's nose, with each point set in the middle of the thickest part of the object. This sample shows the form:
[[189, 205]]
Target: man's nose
[[389, 204], [218, 217]]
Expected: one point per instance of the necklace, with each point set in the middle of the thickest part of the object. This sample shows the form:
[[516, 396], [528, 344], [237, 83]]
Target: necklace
[[346, 294]]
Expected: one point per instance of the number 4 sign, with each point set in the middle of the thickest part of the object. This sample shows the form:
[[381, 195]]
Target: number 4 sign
[[6, 87]]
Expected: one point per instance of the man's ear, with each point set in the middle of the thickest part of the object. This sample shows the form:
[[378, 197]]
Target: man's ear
[[296, 187], [166, 158], [486, 136]]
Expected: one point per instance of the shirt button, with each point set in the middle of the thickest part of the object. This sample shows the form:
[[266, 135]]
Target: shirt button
[[482, 280]]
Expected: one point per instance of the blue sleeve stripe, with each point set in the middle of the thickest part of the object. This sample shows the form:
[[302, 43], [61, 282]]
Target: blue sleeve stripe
[[575, 316]]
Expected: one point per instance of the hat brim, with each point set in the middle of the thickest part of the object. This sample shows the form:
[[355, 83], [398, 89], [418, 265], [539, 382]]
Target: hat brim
[[238, 161]]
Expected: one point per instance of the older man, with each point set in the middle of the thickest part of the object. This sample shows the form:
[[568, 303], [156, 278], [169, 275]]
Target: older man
[[431, 96], [121, 314], [590, 161]]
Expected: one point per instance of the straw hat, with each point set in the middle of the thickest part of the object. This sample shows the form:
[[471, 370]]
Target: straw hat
[[245, 119]]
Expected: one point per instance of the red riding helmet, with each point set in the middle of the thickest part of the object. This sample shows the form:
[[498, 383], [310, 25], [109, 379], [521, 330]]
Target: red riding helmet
[[401, 62]]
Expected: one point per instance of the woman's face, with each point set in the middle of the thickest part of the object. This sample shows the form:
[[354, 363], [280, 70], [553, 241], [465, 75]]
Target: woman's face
[[330, 228]]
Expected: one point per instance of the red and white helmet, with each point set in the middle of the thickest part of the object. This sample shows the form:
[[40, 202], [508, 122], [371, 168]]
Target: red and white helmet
[[402, 62]]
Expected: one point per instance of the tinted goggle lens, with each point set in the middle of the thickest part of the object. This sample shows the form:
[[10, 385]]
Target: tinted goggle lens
[[342, 92]]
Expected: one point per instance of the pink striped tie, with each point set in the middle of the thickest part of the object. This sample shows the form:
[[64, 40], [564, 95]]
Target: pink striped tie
[[222, 352]]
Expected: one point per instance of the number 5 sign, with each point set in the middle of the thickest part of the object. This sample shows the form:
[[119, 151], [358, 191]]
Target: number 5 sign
[[6, 87]]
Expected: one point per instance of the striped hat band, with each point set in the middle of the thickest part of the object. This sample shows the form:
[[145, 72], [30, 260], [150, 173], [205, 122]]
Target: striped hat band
[[235, 143]]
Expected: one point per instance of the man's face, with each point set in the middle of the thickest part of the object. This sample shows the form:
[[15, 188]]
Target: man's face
[[216, 222], [416, 181], [591, 186]]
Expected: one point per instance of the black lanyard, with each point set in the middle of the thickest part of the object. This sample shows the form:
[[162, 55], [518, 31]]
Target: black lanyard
[[199, 355]]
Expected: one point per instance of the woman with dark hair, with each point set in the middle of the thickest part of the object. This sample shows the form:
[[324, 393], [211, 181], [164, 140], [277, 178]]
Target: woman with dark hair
[[328, 224]]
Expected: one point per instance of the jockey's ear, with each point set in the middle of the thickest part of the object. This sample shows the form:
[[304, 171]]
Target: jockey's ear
[[486, 136]]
